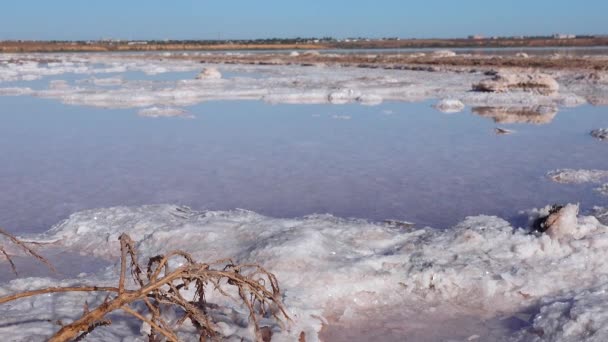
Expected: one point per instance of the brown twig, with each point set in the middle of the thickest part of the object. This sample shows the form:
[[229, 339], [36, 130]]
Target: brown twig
[[33, 293], [10, 260], [26, 249], [168, 334], [160, 286]]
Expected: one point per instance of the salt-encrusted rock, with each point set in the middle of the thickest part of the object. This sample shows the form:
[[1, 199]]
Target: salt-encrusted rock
[[601, 214], [294, 54], [311, 53], [449, 106], [209, 74], [502, 131], [560, 221], [506, 81], [601, 134], [370, 100], [443, 53], [571, 100], [601, 100], [603, 189], [537, 115], [343, 96], [522, 55], [579, 316]]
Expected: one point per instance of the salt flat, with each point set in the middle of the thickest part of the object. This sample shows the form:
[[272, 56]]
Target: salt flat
[[93, 143]]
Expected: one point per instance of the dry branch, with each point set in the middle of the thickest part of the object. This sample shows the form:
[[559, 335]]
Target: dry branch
[[160, 286], [23, 247]]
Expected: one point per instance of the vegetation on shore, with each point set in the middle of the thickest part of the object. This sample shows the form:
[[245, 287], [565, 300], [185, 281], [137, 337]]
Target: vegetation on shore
[[294, 44]]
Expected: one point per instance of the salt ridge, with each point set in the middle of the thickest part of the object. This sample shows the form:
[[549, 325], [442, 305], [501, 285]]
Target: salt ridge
[[323, 262], [280, 84]]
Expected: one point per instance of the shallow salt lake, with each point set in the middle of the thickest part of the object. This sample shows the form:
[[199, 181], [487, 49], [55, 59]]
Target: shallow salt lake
[[403, 161]]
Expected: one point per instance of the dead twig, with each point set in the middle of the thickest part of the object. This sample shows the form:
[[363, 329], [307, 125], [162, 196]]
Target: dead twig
[[161, 287], [26, 249], [9, 259]]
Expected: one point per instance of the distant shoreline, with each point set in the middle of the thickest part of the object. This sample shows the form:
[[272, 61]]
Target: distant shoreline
[[133, 46]]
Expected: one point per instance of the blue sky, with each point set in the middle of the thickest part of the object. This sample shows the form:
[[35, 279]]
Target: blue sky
[[202, 19]]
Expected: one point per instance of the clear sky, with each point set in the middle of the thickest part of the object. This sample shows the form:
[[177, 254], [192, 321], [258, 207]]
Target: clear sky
[[231, 19]]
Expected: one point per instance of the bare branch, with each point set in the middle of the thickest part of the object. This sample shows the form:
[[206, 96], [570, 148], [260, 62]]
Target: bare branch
[[26, 249], [10, 260], [257, 289], [26, 294]]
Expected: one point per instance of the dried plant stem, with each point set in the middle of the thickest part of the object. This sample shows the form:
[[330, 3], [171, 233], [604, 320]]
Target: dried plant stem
[[257, 290], [47, 290], [169, 335], [10, 260], [70, 331], [26, 249]]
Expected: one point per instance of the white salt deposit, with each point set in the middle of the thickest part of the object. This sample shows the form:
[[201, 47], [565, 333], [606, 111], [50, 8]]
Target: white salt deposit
[[209, 74], [582, 316], [449, 106], [603, 189], [322, 262], [109, 81], [58, 85], [509, 81], [312, 53], [443, 53], [156, 112], [15, 91], [280, 84], [369, 100], [570, 176], [331, 270], [601, 134], [343, 96]]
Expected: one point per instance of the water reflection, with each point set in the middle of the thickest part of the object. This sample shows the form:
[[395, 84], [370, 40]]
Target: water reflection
[[537, 115], [416, 165]]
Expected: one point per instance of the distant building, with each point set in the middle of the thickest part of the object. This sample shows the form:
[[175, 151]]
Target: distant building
[[477, 37], [563, 36], [110, 40], [138, 43]]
